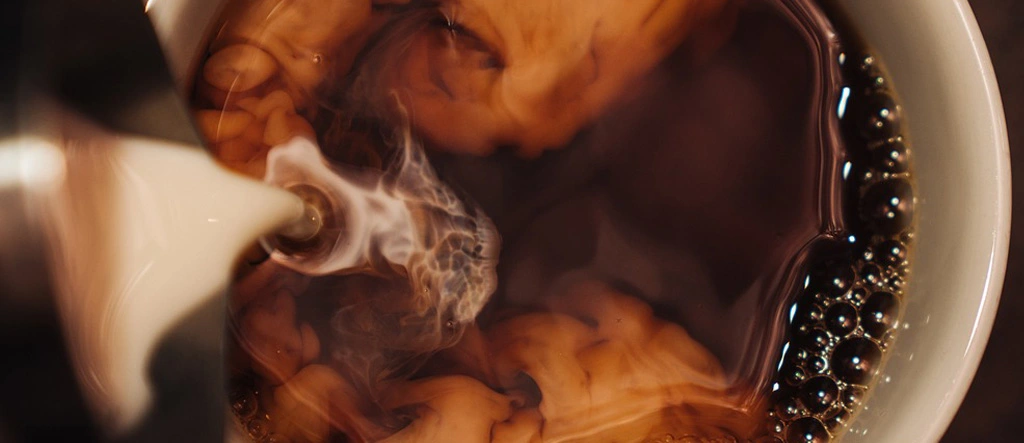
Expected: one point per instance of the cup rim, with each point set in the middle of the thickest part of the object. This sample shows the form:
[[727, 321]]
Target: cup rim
[[999, 249], [987, 123]]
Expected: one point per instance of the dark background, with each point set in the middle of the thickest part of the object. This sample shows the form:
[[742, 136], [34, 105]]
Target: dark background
[[992, 410]]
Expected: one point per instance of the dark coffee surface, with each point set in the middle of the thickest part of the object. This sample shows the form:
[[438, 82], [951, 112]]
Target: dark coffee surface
[[696, 195], [991, 411]]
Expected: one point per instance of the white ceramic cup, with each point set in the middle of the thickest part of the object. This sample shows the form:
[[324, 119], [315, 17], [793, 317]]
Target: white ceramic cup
[[939, 65]]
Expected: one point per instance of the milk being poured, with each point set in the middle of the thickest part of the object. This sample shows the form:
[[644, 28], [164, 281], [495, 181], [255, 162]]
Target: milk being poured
[[145, 232]]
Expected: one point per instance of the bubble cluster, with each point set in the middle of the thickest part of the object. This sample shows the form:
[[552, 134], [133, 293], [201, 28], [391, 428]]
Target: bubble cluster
[[245, 401], [846, 317]]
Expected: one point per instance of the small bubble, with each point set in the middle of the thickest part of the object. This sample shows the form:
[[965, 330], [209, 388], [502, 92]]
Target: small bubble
[[857, 296], [853, 396], [892, 157], [835, 278], [892, 253], [799, 355], [244, 403], [803, 330], [817, 340], [879, 313], [877, 82], [863, 63], [818, 364], [808, 312], [794, 375], [778, 426], [888, 338], [881, 119], [856, 360], [837, 420], [868, 255], [789, 409], [819, 394], [872, 274], [867, 63], [888, 206], [807, 430], [907, 237], [258, 428], [841, 319], [897, 282]]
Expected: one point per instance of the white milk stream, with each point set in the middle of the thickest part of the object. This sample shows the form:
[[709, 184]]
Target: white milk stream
[[145, 232]]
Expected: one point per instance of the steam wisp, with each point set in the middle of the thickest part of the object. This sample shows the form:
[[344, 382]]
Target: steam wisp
[[403, 218]]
